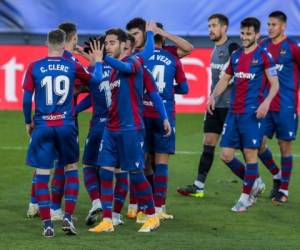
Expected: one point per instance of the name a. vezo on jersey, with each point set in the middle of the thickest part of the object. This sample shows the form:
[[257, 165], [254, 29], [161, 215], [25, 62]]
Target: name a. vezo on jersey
[[279, 67], [53, 117], [219, 66], [161, 58], [249, 76], [59, 67], [115, 84]]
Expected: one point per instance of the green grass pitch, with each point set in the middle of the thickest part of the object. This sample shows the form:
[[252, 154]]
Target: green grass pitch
[[203, 223]]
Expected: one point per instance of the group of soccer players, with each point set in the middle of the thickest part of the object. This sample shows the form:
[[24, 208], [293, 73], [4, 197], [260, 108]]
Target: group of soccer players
[[131, 89], [263, 102], [123, 93]]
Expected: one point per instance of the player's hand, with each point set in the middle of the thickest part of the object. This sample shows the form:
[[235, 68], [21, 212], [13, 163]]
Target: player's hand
[[29, 128], [96, 51], [211, 104], [167, 128], [151, 26], [263, 109], [80, 51]]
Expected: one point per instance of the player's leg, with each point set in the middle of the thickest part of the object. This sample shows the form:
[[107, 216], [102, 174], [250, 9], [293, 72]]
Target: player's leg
[[265, 153], [213, 125], [286, 170], [120, 193], [229, 142], [132, 160], [287, 125], [57, 190], [41, 153], [108, 160], [33, 208], [91, 172], [68, 152]]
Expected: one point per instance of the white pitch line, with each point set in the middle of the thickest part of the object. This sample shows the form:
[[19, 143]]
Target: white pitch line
[[179, 152]]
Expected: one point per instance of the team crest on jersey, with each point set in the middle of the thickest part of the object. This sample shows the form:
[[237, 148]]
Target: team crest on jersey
[[254, 61], [282, 52], [221, 53]]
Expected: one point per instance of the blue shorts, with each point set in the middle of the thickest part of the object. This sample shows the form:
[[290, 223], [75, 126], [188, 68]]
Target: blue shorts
[[50, 143], [241, 131], [155, 139], [284, 124], [92, 144], [123, 148]]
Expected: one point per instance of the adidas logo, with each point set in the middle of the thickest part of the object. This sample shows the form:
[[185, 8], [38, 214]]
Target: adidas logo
[[137, 164], [291, 133], [254, 141]]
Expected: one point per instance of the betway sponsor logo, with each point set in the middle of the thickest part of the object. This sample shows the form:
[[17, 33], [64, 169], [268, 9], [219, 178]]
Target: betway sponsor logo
[[219, 66], [115, 84], [53, 117], [244, 75], [279, 67]]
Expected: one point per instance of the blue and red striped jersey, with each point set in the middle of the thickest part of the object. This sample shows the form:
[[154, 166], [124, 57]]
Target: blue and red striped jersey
[[125, 112], [100, 95], [166, 69], [52, 80], [286, 55], [250, 78]]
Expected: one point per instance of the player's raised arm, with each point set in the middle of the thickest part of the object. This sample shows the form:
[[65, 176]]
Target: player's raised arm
[[97, 54], [184, 47], [129, 66], [149, 44]]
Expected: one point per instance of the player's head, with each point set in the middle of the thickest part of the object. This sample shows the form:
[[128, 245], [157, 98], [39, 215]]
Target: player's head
[[71, 34], [115, 41], [249, 33], [129, 46], [159, 39], [276, 24], [137, 27], [56, 40], [217, 26]]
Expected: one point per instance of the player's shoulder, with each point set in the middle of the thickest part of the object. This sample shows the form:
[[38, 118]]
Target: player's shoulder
[[293, 41], [264, 42], [171, 49]]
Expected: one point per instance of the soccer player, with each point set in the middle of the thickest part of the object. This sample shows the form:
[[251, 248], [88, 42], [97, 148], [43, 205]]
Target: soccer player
[[53, 132], [136, 27], [123, 137], [58, 179], [213, 124], [166, 69], [250, 66], [282, 119]]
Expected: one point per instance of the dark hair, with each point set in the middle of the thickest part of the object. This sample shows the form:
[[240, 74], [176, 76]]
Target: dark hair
[[223, 20], [159, 38], [279, 15], [56, 37], [69, 28], [131, 39], [121, 34], [138, 23], [251, 22]]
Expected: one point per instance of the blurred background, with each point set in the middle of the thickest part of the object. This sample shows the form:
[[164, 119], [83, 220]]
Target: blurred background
[[25, 23]]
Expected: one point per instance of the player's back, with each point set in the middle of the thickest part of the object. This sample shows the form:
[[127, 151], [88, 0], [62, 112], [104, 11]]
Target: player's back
[[162, 64], [53, 79], [125, 112]]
